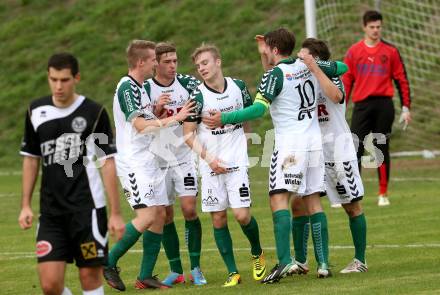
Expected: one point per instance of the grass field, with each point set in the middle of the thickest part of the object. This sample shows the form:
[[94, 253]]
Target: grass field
[[403, 243]]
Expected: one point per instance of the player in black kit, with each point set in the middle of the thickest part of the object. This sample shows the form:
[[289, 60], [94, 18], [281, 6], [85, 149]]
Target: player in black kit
[[67, 133]]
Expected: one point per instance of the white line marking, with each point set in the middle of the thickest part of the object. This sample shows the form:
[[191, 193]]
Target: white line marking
[[24, 255]]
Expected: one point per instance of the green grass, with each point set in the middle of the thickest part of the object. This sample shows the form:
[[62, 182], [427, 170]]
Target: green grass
[[395, 266]]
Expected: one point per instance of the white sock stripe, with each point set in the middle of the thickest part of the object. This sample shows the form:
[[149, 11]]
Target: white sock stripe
[[97, 291]]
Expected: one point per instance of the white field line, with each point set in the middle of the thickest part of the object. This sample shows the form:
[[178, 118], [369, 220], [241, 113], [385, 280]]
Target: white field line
[[25, 255]]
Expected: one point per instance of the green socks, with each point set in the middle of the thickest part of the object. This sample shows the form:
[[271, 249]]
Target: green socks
[[358, 227], [281, 224], [224, 244], [170, 241], [300, 234], [151, 246], [193, 234], [130, 237], [253, 235], [318, 222]]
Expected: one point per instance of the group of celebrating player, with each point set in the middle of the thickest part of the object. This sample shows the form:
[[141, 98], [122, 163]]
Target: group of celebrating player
[[162, 120]]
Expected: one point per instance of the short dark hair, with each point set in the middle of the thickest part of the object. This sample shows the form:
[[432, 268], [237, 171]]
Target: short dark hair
[[371, 16], [282, 39], [164, 47], [317, 48], [64, 60]]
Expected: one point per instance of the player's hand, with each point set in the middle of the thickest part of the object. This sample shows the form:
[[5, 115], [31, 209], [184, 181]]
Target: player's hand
[[307, 59], [214, 120], [186, 111], [217, 166], [116, 226], [164, 99], [261, 44], [25, 218], [405, 117]]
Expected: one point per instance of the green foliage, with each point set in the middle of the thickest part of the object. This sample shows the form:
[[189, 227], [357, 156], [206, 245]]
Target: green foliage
[[98, 33]]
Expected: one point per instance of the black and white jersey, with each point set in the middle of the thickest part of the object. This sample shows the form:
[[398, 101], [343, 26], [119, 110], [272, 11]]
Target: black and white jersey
[[68, 140]]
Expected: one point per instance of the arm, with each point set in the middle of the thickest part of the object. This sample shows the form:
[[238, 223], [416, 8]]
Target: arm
[[401, 80], [189, 132], [30, 174], [143, 125], [159, 108], [116, 224], [348, 78], [261, 44], [328, 87]]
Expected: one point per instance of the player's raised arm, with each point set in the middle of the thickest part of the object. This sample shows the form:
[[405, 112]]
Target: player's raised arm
[[328, 87]]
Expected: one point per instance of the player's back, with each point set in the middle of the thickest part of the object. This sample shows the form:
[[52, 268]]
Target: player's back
[[337, 139], [130, 101], [293, 109]]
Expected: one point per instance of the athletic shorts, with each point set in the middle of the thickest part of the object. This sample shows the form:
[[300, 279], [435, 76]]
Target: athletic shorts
[[298, 172], [343, 182], [180, 181], [144, 187], [229, 190], [81, 236]]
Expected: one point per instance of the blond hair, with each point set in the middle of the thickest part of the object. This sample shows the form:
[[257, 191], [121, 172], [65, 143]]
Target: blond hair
[[137, 50], [206, 48]]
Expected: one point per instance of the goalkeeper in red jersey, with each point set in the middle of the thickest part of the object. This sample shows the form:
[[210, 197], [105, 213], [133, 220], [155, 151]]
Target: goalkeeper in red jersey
[[373, 65]]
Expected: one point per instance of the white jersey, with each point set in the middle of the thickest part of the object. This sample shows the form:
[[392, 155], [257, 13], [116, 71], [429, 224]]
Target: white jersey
[[228, 143], [173, 151], [130, 101], [291, 90], [337, 139]]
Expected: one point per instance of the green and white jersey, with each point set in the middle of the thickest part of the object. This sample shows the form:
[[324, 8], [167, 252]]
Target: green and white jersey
[[291, 90], [130, 101], [337, 140], [228, 143], [173, 150]]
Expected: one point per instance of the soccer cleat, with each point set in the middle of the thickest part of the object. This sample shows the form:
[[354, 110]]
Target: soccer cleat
[[197, 277], [174, 278], [383, 201], [355, 266], [150, 283], [299, 268], [111, 275], [278, 272], [323, 271], [258, 266], [234, 279]]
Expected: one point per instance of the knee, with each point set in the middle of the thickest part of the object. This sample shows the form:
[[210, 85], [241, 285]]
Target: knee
[[52, 287], [219, 219], [242, 217], [90, 277], [298, 207], [353, 209]]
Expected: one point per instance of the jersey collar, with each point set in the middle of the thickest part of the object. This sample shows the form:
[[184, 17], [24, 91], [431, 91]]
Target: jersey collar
[[288, 60], [161, 85], [134, 80], [215, 91]]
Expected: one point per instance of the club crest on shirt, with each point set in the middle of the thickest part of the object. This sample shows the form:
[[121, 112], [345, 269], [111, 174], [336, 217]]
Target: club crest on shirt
[[79, 124]]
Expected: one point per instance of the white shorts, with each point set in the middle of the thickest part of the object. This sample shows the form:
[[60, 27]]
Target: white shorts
[[229, 190], [298, 172], [143, 187], [343, 182], [180, 181]]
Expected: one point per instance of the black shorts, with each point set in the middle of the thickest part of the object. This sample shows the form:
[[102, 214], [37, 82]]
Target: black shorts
[[80, 235]]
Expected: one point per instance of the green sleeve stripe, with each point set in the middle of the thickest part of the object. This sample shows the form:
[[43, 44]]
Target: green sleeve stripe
[[253, 112], [259, 98]]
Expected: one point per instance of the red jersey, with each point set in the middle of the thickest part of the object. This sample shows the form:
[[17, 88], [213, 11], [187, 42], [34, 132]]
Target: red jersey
[[371, 70]]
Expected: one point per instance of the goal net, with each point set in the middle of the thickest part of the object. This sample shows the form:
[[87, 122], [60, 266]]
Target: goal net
[[414, 27]]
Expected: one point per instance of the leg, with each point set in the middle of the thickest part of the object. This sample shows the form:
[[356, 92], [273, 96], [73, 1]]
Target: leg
[[51, 274], [223, 239], [300, 229], [193, 229], [383, 124], [361, 125], [318, 222], [358, 228], [91, 280], [279, 204], [249, 226], [170, 241]]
